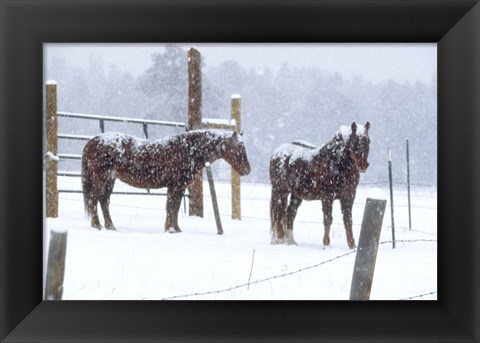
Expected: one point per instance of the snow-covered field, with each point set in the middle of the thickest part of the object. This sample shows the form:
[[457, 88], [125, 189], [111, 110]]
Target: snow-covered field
[[140, 261]]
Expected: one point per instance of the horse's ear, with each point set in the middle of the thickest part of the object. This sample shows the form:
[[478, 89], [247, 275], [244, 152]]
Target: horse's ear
[[235, 135], [354, 128], [367, 125]]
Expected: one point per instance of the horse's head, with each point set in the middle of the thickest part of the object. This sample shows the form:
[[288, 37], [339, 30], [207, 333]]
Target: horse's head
[[235, 154], [358, 145]]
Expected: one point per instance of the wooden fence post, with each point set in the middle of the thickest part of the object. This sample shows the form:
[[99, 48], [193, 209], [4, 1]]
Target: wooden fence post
[[235, 114], [214, 199], [56, 265], [51, 165], [194, 123], [367, 249]]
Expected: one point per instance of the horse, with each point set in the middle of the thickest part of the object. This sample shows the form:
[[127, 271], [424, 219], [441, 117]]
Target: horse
[[171, 162], [327, 173]]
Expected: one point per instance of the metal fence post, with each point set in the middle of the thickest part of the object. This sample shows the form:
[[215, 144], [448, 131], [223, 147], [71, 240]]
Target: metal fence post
[[391, 194], [408, 188]]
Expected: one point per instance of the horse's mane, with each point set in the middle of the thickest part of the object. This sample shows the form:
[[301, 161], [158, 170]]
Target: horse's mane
[[211, 135], [305, 144], [336, 146], [195, 137]]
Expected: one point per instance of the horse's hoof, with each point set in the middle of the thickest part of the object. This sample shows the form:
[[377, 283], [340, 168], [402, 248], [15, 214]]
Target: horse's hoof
[[291, 242], [173, 230], [97, 226], [351, 244], [111, 228], [289, 238], [278, 241]]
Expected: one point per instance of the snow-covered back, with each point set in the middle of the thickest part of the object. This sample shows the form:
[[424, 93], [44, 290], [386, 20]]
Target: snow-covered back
[[294, 152]]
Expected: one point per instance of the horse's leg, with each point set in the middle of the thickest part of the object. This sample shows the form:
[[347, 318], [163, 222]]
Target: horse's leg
[[174, 200], [278, 208], [91, 204], [273, 217], [295, 202], [346, 204], [92, 212], [327, 219], [105, 203]]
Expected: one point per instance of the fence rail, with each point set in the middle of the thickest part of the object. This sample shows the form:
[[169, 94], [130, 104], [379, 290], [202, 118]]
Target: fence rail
[[102, 119], [120, 119], [195, 194]]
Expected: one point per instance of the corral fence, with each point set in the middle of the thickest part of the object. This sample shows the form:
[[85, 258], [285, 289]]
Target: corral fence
[[194, 122]]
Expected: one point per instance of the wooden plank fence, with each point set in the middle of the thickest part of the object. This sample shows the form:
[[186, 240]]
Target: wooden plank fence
[[195, 121]]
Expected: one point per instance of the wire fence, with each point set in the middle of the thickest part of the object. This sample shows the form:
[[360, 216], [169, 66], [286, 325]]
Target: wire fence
[[317, 265], [222, 194], [299, 221], [283, 275], [420, 296], [72, 181]]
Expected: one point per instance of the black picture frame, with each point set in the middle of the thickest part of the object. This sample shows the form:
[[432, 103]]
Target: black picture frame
[[26, 25]]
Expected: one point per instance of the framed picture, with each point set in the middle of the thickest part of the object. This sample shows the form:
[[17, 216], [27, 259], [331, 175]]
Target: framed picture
[[450, 28], [141, 93]]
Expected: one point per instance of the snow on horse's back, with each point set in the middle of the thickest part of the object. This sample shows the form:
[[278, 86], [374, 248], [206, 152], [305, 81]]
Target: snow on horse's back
[[171, 162]]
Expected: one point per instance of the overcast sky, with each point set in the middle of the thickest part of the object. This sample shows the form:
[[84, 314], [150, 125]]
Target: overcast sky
[[374, 62]]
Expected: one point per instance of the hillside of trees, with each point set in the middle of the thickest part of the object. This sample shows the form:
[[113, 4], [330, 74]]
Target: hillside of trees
[[292, 103]]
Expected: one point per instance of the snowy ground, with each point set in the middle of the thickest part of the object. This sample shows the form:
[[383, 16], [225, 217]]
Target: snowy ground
[[141, 262]]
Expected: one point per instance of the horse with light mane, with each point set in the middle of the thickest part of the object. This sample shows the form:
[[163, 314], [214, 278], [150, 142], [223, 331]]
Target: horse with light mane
[[326, 173]]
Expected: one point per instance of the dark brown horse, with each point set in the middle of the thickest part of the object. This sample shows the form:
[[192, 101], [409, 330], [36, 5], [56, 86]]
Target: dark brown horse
[[172, 162], [327, 173]]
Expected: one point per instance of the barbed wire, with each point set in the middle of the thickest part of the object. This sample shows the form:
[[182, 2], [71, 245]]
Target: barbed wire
[[310, 222], [247, 284], [366, 182], [298, 270], [420, 296], [225, 196]]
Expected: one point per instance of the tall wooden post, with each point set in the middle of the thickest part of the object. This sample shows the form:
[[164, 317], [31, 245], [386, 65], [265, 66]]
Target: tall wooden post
[[194, 123], [367, 249], [235, 113], [51, 166]]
